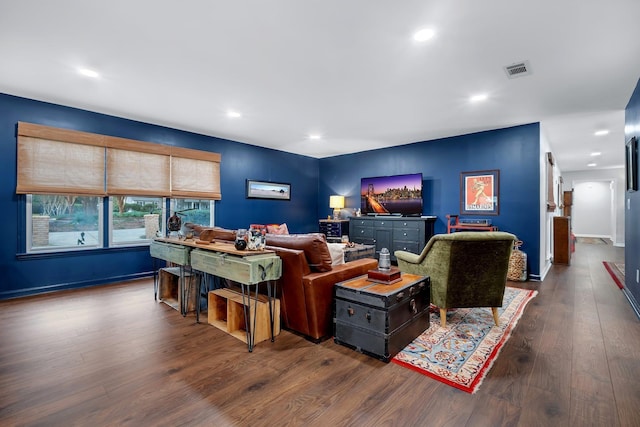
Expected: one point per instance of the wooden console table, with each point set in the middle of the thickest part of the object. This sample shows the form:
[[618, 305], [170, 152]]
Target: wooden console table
[[172, 251], [249, 268], [453, 225]]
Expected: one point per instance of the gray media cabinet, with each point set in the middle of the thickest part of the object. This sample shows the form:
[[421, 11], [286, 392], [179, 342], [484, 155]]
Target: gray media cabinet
[[392, 232]]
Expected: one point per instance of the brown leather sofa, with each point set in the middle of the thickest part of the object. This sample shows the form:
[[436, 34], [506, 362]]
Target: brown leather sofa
[[305, 288], [306, 284]]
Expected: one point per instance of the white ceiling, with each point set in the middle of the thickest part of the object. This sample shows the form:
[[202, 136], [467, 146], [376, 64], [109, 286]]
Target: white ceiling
[[348, 70]]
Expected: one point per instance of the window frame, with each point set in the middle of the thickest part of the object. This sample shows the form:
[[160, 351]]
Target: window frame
[[138, 242], [29, 249], [212, 210]]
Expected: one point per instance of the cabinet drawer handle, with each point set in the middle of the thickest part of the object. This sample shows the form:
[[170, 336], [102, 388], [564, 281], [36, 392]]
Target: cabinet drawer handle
[[412, 304], [400, 295], [368, 317], [351, 311]]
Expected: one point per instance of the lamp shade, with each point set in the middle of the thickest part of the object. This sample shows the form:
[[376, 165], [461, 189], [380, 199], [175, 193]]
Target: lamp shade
[[336, 202]]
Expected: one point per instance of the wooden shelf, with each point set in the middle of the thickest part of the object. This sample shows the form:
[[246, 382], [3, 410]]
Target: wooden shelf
[[226, 312], [454, 224], [562, 240], [169, 287]]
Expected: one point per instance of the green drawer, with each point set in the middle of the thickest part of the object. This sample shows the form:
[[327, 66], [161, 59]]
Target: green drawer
[[176, 254], [250, 269]]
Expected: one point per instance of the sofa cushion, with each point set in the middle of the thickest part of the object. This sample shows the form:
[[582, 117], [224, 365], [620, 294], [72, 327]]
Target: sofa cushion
[[278, 229], [314, 246], [337, 253]]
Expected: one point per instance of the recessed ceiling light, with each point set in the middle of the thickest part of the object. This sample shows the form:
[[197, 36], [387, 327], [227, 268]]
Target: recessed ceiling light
[[424, 34], [601, 132], [591, 165], [479, 97], [596, 153], [233, 114], [89, 73], [315, 136]]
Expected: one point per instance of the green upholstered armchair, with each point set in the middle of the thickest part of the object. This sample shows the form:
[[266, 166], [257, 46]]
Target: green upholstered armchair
[[467, 269]]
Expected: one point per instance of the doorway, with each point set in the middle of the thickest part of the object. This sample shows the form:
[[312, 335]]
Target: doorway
[[592, 209]]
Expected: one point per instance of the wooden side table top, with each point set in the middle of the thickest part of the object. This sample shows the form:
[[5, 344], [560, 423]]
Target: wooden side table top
[[226, 247]]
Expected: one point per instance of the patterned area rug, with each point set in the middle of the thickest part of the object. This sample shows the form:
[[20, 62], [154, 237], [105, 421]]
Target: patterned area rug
[[461, 354], [616, 270]]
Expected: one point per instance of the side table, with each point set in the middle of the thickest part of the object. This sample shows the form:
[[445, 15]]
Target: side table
[[248, 269], [334, 229], [378, 319]]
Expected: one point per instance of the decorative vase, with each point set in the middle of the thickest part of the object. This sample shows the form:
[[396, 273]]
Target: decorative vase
[[241, 239], [384, 262], [174, 223], [256, 240]]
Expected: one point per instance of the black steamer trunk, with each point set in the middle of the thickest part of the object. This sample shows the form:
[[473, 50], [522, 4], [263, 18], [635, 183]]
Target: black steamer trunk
[[381, 319]]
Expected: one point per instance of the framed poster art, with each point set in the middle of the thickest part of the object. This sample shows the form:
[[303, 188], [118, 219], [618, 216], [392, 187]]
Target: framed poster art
[[479, 192], [268, 190], [632, 164]]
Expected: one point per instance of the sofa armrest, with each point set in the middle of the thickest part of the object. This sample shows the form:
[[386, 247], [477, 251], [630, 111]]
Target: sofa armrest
[[290, 290], [318, 293]]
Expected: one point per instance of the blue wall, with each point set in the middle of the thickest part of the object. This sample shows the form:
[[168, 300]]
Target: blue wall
[[28, 274], [632, 214], [514, 151]]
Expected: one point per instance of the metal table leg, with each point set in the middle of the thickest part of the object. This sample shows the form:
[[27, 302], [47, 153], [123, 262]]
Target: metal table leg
[[272, 301], [246, 305], [183, 292], [203, 283], [156, 280]]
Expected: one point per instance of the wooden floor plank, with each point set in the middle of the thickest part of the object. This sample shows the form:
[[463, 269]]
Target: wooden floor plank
[[111, 355]]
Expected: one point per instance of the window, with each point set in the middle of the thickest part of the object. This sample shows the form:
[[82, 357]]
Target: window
[[56, 222], [196, 211], [135, 220], [68, 175]]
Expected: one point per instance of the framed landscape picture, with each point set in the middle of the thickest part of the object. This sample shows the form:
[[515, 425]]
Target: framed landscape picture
[[479, 192], [268, 190]]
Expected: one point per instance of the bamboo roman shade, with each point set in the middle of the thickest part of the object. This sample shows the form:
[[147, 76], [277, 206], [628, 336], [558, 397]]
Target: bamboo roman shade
[[138, 168], [60, 161], [195, 174]]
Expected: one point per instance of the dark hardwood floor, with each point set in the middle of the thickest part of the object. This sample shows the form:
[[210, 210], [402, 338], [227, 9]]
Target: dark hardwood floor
[[111, 355]]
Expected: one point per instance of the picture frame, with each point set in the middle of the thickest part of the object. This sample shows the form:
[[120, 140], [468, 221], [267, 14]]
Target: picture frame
[[268, 190], [631, 164], [479, 192]]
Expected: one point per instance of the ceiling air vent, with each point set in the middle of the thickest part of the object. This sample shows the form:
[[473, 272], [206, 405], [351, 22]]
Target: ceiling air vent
[[519, 69]]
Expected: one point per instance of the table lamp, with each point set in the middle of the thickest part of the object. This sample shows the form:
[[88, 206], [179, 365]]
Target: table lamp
[[336, 203]]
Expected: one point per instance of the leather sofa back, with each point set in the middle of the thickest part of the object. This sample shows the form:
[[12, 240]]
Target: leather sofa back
[[314, 246]]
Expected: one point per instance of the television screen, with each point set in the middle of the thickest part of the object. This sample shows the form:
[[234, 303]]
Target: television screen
[[391, 195]]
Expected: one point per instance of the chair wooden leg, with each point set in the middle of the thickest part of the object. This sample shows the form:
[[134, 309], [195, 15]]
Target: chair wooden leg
[[496, 318], [443, 317]]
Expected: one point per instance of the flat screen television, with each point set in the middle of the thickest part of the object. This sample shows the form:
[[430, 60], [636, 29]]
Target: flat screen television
[[391, 195]]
